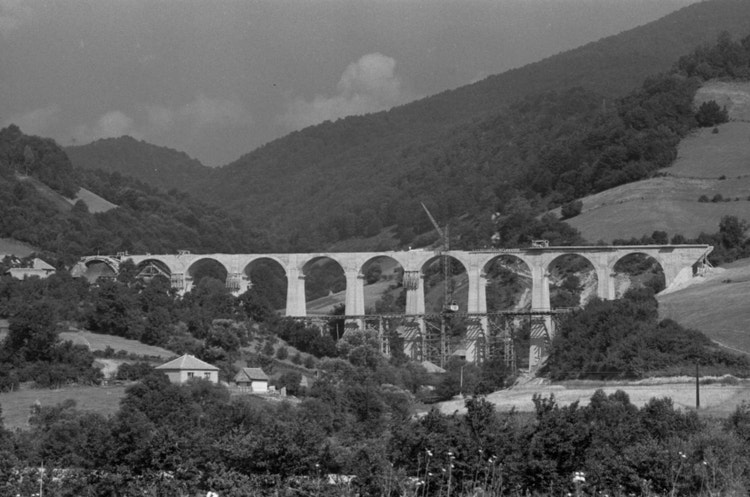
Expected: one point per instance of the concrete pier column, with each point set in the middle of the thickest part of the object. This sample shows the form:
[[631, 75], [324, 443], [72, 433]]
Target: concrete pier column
[[234, 283], [477, 303], [355, 293], [188, 286], [539, 288], [605, 282], [295, 292], [177, 282], [414, 285]]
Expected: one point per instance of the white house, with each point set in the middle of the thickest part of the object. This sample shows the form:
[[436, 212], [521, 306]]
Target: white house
[[187, 367], [38, 268], [253, 379]]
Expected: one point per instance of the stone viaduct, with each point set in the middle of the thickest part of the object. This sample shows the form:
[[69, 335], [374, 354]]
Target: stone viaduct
[[678, 262]]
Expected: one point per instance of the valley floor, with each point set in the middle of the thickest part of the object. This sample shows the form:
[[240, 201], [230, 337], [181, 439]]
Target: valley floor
[[716, 399]]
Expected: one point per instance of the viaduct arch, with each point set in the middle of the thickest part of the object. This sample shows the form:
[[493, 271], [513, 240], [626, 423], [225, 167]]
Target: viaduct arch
[[679, 263]]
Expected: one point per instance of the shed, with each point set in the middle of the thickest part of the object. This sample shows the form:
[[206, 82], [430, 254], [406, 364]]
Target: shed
[[253, 379], [188, 367]]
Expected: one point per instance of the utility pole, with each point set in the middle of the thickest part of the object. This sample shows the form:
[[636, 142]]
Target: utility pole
[[697, 387]]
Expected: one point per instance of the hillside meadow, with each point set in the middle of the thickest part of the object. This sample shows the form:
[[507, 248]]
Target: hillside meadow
[[716, 304], [708, 164]]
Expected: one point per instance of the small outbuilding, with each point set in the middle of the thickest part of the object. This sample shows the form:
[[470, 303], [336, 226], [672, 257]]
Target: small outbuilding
[[188, 367], [252, 379]]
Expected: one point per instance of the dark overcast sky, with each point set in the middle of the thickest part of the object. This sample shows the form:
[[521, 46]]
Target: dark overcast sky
[[218, 78]]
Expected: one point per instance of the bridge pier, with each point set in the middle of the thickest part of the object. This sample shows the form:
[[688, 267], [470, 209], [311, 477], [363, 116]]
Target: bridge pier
[[177, 282], [539, 288], [605, 284], [477, 301], [296, 305], [354, 304], [414, 285]]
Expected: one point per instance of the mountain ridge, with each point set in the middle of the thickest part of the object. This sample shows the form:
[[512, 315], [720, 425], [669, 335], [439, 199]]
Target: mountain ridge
[[163, 167], [352, 177]]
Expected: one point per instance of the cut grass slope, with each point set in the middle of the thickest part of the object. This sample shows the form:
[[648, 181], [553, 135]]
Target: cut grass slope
[[16, 405], [707, 163], [9, 246], [94, 202], [717, 305], [96, 341], [670, 203]]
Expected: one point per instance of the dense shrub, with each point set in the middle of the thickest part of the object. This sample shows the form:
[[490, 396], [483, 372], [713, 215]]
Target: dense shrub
[[624, 339], [710, 114]]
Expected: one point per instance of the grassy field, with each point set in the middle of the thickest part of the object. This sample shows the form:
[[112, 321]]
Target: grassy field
[[16, 405], [96, 341], [8, 246], [716, 304], [707, 163], [94, 202], [715, 399]]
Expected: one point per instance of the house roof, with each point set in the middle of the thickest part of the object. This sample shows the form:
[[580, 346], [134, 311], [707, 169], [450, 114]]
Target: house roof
[[187, 362], [431, 367], [40, 264], [250, 374]]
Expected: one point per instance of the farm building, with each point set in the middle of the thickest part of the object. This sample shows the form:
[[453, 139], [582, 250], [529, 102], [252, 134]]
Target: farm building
[[252, 379], [187, 367]]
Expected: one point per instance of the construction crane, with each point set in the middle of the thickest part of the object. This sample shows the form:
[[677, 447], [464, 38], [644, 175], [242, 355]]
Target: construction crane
[[449, 305]]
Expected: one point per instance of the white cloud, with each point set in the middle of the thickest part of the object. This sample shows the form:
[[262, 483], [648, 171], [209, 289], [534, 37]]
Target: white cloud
[[204, 111], [200, 113], [13, 14], [37, 121], [160, 119], [155, 121], [368, 85], [110, 125]]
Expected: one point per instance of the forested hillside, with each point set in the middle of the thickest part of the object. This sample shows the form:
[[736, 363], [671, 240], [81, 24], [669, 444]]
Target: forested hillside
[[160, 167], [354, 176], [146, 219]]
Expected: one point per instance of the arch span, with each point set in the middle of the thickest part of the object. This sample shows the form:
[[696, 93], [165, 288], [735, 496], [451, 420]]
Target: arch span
[[203, 267], [508, 283], [383, 275], [153, 268], [324, 276], [572, 279], [445, 283], [637, 270], [267, 278]]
